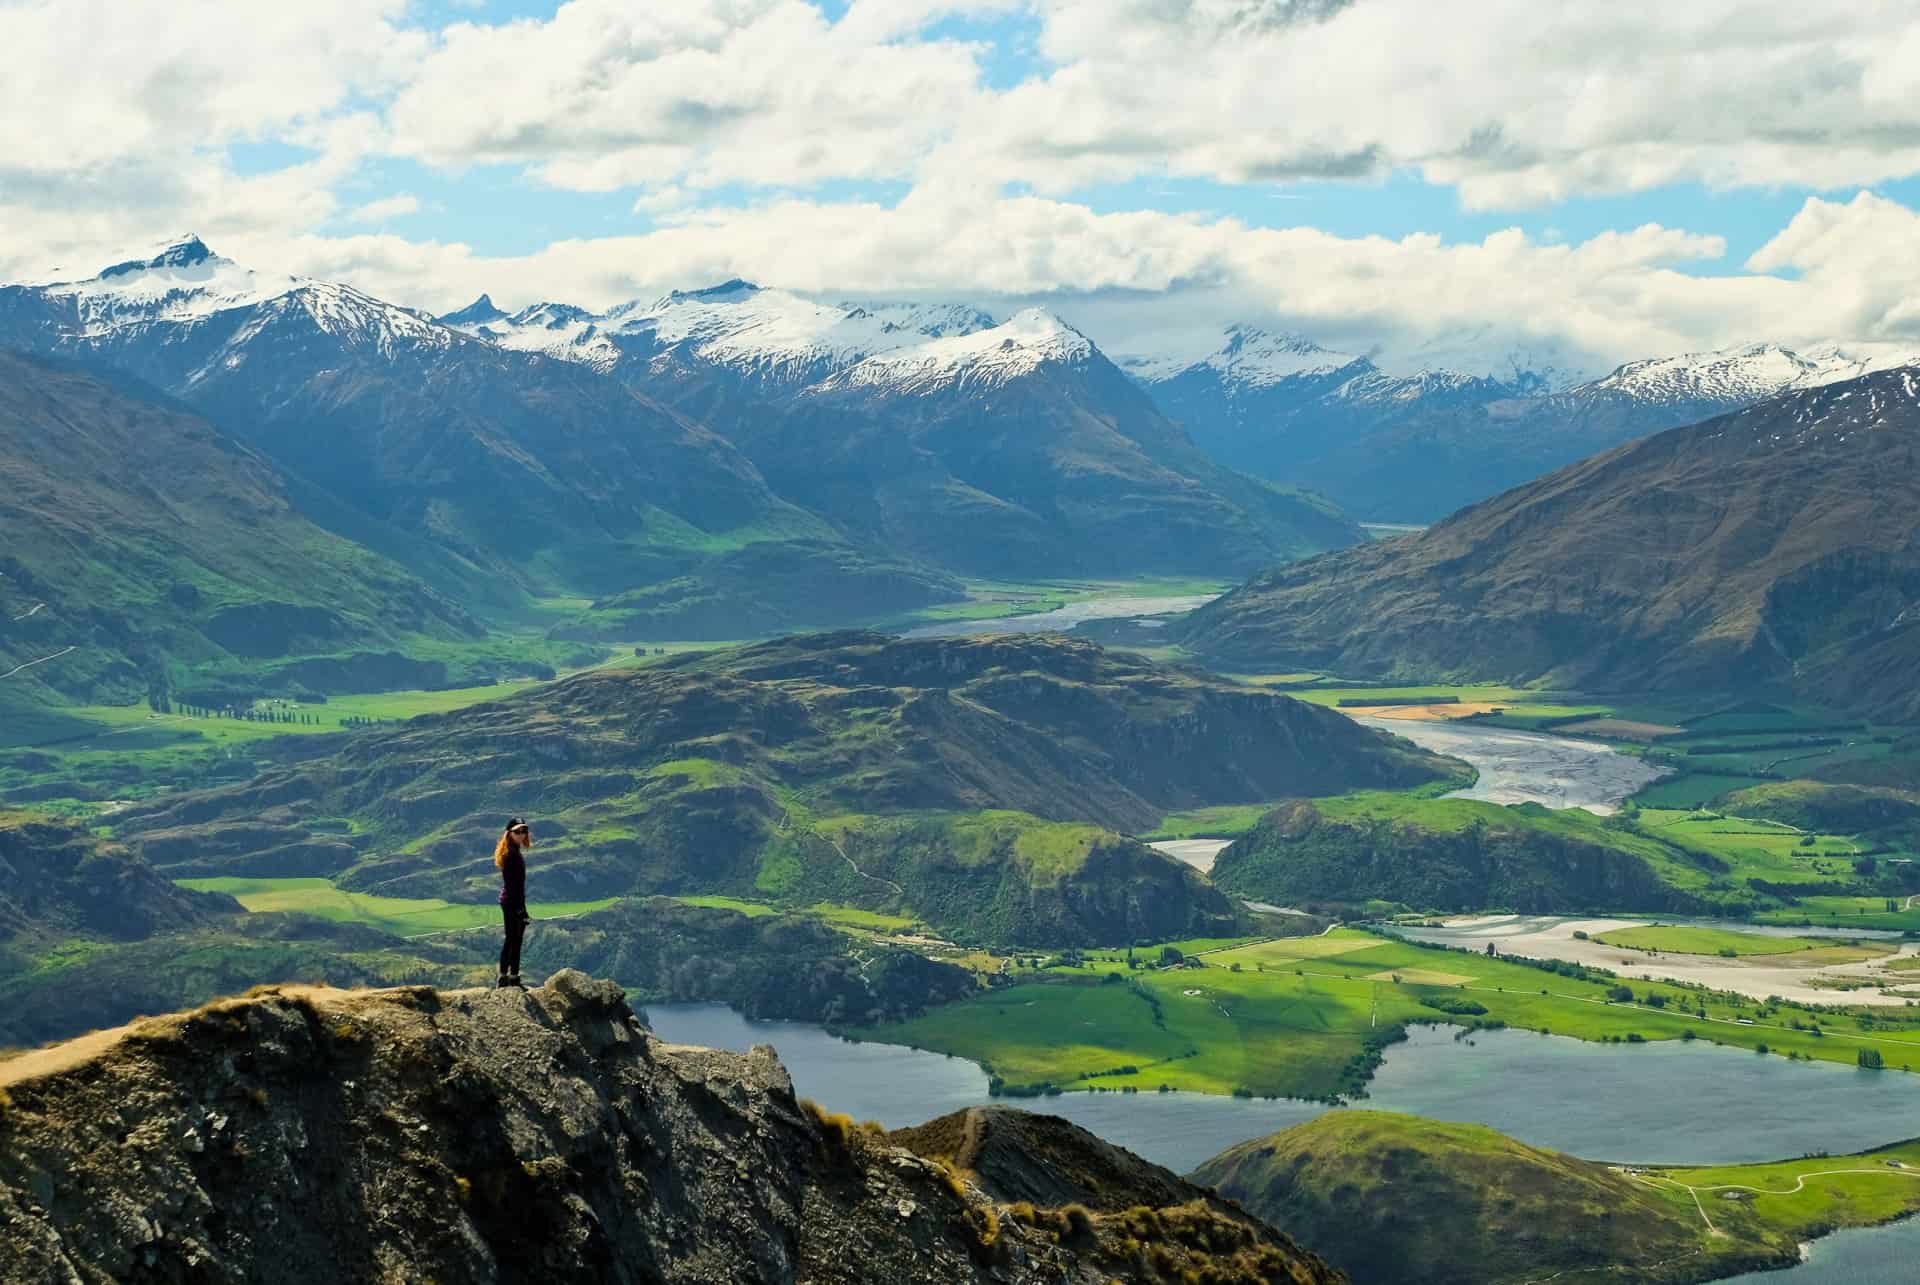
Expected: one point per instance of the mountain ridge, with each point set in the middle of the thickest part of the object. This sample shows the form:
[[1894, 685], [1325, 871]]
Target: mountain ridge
[[1772, 545]]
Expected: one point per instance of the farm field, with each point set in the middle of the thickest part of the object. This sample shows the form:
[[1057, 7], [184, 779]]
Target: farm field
[[1807, 1196], [1687, 940], [401, 916], [1748, 849], [1300, 1017], [1847, 912]]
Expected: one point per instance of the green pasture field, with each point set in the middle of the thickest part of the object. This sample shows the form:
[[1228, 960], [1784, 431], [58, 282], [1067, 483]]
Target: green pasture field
[[751, 909], [1470, 693], [1298, 1014], [1811, 1195], [1225, 821], [1677, 939], [1846, 912], [1750, 848], [401, 916], [1692, 789]]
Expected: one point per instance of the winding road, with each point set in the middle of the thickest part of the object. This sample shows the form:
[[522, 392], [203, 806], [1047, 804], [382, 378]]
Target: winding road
[[30, 664]]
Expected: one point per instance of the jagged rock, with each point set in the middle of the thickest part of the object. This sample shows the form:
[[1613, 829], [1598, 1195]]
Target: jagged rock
[[303, 1134]]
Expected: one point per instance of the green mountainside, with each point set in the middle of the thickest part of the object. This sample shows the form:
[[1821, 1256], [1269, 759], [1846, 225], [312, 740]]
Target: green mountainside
[[1771, 546], [1453, 854], [1396, 1198], [137, 533], [983, 784], [1399, 1199]]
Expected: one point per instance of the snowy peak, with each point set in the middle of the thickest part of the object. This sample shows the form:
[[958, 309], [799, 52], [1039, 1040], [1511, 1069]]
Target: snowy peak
[[186, 252], [478, 313], [977, 361], [936, 320], [761, 334], [733, 291], [1246, 357], [1736, 376]]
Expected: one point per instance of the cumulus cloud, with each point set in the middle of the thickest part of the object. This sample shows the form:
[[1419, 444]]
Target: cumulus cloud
[[609, 94], [1513, 101], [1139, 277], [387, 207]]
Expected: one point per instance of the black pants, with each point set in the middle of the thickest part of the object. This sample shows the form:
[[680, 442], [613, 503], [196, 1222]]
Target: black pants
[[514, 920]]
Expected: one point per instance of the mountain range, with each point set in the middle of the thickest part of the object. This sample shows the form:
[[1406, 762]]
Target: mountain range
[[1414, 446], [1774, 546], [719, 464], [1011, 448]]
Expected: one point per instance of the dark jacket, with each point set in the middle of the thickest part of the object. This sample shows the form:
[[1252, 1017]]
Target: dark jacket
[[513, 880]]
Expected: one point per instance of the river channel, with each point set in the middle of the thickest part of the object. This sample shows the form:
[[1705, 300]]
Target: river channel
[[1064, 619], [1529, 767]]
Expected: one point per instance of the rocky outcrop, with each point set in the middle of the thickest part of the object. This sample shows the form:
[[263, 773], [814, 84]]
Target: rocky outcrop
[[305, 1135]]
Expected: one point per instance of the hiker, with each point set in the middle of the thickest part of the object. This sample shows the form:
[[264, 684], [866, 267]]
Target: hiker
[[510, 856]]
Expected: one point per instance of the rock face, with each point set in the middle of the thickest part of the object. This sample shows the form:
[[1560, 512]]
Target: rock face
[[57, 881], [1771, 546], [411, 1135]]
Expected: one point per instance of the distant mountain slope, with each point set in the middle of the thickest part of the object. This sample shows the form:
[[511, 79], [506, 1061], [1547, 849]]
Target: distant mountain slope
[[1774, 545], [60, 884], [495, 474], [1396, 1200], [1002, 448], [980, 783], [1448, 854], [136, 532], [1414, 447]]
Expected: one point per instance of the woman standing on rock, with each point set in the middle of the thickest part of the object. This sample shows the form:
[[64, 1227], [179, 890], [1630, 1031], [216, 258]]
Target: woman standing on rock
[[510, 856]]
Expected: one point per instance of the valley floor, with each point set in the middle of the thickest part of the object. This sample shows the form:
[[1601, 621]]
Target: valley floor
[[1883, 975]]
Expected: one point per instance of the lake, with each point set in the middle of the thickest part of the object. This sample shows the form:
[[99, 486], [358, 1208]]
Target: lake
[[1864, 1256], [1660, 1103], [1529, 767]]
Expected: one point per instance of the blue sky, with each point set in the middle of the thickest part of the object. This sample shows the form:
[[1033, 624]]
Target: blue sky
[[1474, 179]]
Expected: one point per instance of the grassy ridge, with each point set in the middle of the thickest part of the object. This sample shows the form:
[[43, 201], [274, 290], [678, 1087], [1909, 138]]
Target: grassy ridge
[[1391, 1197]]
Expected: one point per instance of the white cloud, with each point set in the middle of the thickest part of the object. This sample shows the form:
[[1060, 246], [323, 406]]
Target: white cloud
[[1514, 101], [99, 83], [1126, 276], [388, 207], [610, 94]]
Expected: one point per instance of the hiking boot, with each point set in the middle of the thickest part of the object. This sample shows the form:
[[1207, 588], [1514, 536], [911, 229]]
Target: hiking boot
[[506, 980]]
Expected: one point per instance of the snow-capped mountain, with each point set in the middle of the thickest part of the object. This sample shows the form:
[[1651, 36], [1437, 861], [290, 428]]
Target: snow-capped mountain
[[410, 429], [763, 336], [185, 296], [1744, 375], [1411, 442], [968, 361], [986, 446], [1249, 357]]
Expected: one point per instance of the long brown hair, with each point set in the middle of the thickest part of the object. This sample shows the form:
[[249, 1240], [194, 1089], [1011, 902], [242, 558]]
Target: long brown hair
[[506, 844]]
